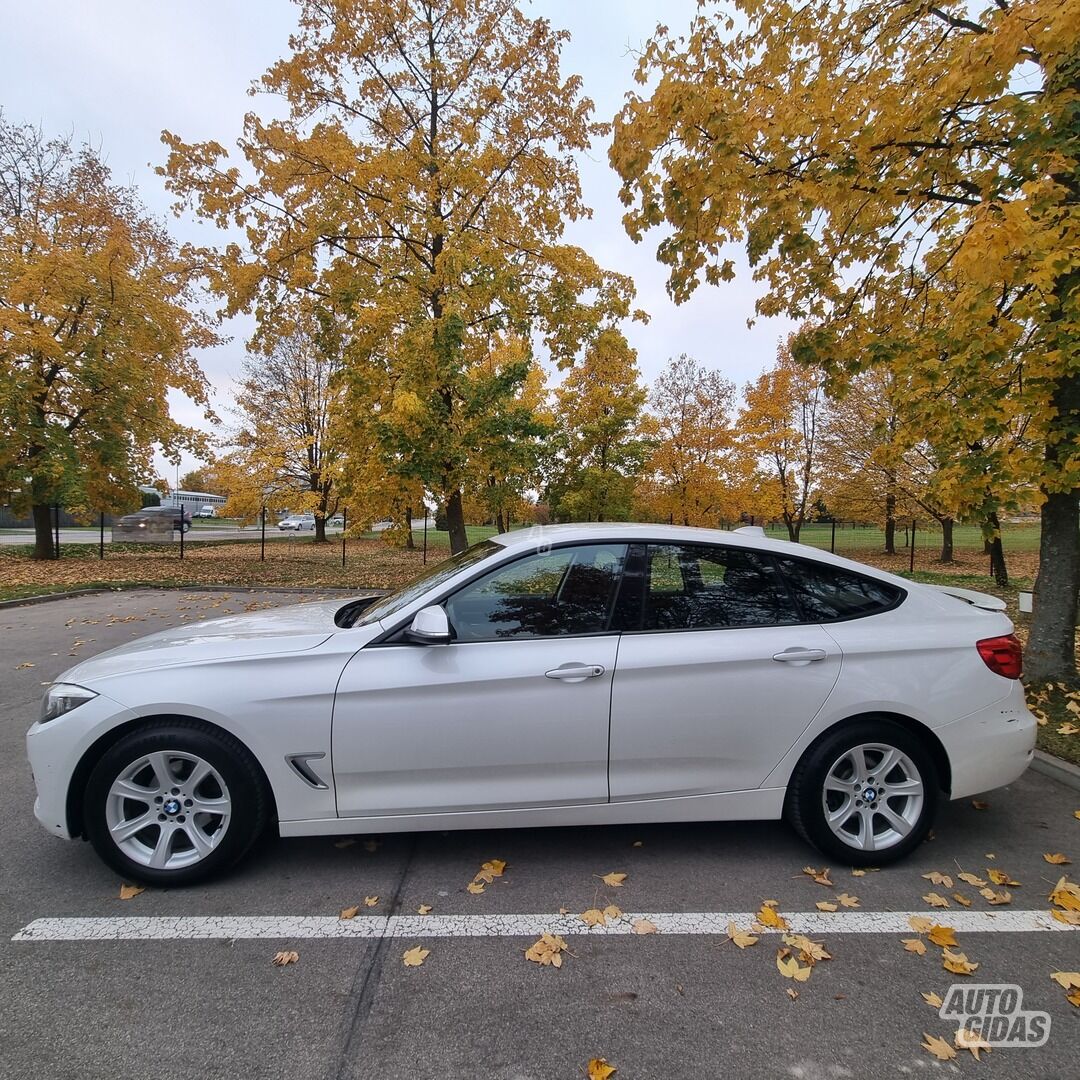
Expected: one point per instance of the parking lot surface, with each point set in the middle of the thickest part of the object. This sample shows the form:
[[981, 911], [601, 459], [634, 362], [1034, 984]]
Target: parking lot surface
[[180, 983]]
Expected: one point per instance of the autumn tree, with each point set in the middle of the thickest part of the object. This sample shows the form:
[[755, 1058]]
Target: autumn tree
[[421, 177], [287, 449], [907, 176], [601, 434], [203, 478], [781, 425], [97, 326]]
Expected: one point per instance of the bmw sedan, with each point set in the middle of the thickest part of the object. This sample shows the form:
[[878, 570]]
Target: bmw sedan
[[575, 675]]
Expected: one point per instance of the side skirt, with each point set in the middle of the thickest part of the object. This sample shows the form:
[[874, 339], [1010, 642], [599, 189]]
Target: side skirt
[[759, 804]]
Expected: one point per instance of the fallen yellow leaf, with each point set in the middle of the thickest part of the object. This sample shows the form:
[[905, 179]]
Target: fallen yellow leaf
[[349, 913], [820, 876], [1073, 998], [962, 900], [810, 952], [743, 938], [942, 935], [957, 962], [1057, 859], [370, 901], [283, 958], [490, 870], [915, 945], [999, 877], [1070, 918], [769, 916], [1066, 894], [970, 1040], [824, 905], [920, 924], [1068, 728], [847, 900], [599, 1069], [644, 926], [972, 879], [1067, 980], [424, 909], [612, 911], [593, 917], [790, 968], [980, 805], [129, 892], [547, 950], [415, 956], [475, 887], [1002, 896], [858, 873], [614, 880], [792, 992], [938, 879], [939, 1047], [933, 1000], [347, 842], [934, 900]]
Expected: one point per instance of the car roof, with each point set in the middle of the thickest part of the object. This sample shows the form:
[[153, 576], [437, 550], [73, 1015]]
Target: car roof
[[628, 531]]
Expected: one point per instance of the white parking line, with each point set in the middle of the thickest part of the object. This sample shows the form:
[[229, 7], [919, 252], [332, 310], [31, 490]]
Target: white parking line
[[236, 927]]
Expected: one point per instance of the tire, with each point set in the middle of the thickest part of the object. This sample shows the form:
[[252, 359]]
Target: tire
[[196, 823], [868, 821]]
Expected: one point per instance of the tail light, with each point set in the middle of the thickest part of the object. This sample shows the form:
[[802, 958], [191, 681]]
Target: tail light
[[1002, 655]]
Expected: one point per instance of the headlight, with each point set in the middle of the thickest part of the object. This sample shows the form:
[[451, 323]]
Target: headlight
[[61, 698]]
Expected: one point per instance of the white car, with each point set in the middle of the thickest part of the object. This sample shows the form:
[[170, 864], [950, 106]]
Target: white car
[[298, 522], [575, 675]]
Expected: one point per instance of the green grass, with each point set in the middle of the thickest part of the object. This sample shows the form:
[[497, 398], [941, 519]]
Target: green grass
[[1053, 704], [965, 537]]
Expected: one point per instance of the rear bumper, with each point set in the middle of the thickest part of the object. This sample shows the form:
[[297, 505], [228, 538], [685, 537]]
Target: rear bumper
[[991, 747]]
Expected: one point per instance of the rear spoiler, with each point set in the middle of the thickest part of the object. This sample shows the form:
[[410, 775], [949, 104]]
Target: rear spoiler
[[975, 599]]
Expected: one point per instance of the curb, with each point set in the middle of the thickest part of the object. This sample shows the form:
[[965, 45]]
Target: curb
[[44, 598], [1065, 772]]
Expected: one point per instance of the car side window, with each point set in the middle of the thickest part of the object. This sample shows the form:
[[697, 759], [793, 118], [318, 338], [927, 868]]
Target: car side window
[[828, 593], [702, 587], [569, 590]]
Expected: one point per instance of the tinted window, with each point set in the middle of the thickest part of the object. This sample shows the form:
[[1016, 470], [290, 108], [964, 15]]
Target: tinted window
[[691, 587], [551, 593], [826, 592]]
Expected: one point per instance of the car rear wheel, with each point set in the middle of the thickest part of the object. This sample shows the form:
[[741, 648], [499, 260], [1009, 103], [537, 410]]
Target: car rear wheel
[[174, 802], [865, 794]]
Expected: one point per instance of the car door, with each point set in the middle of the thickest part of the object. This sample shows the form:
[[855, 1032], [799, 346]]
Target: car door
[[719, 677], [512, 713]]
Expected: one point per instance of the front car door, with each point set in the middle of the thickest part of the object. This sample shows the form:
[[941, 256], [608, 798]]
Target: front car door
[[718, 676], [512, 713]]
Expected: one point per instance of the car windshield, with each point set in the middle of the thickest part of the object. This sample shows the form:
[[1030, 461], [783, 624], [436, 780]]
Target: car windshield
[[430, 579]]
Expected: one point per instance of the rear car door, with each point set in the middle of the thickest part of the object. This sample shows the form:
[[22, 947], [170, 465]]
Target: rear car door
[[512, 713], [717, 676]]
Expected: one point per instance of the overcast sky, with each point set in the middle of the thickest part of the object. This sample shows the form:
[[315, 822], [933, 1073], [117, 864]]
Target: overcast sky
[[116, 72]]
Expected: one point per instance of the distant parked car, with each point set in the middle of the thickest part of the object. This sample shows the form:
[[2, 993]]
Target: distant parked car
[[181, 519], [298, 522], [336, 522], [206, 512]]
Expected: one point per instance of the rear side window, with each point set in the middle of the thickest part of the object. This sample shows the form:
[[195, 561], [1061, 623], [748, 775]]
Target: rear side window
[[697, 587], [828, 593]]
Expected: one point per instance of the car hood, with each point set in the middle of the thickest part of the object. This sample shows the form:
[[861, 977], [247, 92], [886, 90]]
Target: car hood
[[283, 630]]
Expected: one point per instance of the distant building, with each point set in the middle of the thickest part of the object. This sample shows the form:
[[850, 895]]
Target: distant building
[[192, 501]]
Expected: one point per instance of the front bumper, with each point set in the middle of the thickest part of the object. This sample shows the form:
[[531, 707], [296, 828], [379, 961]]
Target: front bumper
[[991, 747], [55, 750]]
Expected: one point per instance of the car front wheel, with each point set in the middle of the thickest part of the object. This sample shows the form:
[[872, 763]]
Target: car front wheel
[[174, 802], [866, 794]]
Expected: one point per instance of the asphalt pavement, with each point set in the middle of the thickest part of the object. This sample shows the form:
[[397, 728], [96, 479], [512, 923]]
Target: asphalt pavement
[[662, 1006]]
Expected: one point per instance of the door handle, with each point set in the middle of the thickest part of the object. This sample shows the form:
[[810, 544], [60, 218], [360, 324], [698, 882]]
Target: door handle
[[575, 672], [800, 656]]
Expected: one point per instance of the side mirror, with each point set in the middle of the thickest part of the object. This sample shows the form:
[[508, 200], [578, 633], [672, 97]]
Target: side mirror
[[430, 626]]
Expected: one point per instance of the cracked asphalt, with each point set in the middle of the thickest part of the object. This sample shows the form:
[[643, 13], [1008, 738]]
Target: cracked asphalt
[[658, 1007]]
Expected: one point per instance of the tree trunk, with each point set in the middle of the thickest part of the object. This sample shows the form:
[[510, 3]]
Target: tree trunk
[[44, 548], [455, 522], [1050, 651], [320, 529], [890, 524], [947, 539], [406, 521], [998, 569], [792, 528], [500, 523]]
